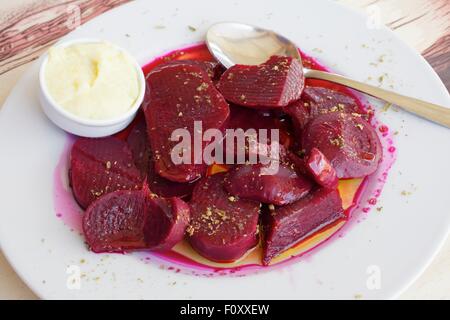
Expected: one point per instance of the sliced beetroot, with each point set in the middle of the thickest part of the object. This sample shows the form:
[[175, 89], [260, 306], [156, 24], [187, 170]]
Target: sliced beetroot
[[321, 169], [100, 166], [347, 141], [143, 159], [138, 142], [167, 221], [116, 222], [245, 118], [212, 68], [177, 96], [166, 188], [320, 100], [275, 83], [281, 188], [223, 228], [299, 113], [288, 225], [299, 163], [252, 119], [316, 101], [131, 220]]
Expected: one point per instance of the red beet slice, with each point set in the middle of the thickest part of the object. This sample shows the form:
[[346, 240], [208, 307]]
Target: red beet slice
[[100, 166], [143, 159], [287, 226], [275, 83], [212, 68], [320, 100], [131, 220], [281, 188], [138, 142], [245, 119], [348, 141], [177, 96], [299, 164], [321, 169], [167, 222], [116, 221], [223, 228], [316, 101], [299, 113], [166, 188]]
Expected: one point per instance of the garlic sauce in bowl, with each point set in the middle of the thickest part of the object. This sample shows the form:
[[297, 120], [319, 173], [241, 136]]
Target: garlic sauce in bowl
[[90, 88]]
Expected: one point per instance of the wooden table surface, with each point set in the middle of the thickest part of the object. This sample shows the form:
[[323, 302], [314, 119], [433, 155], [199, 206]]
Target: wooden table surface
[[29, 27]]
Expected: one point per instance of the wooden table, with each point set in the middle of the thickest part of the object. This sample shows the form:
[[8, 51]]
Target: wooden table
[[28, 27]]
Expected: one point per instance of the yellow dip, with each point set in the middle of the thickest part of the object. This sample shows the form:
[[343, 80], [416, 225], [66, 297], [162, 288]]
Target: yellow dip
[[92, 80]]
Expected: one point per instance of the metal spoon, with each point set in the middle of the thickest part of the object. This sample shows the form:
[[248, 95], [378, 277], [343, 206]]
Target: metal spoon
[[237, 43]]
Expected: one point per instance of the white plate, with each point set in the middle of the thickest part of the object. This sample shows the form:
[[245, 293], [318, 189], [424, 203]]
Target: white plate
[[395, 244]]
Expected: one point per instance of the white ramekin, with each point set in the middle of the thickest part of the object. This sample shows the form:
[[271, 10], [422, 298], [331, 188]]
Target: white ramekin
[[82, 126]]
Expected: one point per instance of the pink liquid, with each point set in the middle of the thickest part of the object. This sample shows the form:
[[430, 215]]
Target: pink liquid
[[364, 199]]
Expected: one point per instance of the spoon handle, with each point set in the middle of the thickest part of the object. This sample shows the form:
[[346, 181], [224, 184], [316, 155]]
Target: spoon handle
[[430, 111]]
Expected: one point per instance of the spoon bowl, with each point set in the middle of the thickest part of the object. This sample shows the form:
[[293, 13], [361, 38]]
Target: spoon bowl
[[236, 43]]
